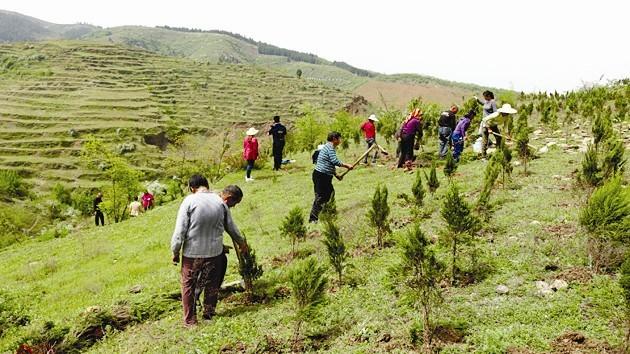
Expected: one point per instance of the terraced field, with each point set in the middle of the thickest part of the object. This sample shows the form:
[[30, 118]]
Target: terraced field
[[54, 94]]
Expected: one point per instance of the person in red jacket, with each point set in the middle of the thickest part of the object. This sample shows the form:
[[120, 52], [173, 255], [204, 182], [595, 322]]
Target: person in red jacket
[[369, 132], [250, 152]]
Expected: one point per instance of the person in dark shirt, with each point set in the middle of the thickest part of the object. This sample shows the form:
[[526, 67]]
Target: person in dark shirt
[[446, 125], [98, 214], [278, 132]]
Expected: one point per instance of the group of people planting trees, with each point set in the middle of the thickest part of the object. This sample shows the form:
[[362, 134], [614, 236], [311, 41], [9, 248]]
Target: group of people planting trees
[[135, 207], [203, 215]]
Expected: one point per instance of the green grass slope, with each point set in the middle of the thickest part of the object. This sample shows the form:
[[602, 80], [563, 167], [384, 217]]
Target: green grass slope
[[535, 225], [17, 27], [53, 94]]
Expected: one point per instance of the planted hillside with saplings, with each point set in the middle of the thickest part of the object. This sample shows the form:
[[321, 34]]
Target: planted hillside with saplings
[[524, 251], [55, 94]]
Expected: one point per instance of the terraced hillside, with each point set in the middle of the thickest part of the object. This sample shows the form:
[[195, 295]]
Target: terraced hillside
[[53, 94]]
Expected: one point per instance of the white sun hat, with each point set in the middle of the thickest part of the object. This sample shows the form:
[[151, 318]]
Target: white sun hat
[[373, 118], [251, 131], [507, 108]]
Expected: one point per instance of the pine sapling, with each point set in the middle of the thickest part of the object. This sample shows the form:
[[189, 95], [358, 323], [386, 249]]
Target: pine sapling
[[432, 181], [249, 269], [329, 210], [624, 282], [308, 287], [336, 247], [378, 215], [450, 167], [421, 273], [461, 223], [293, 227], [522, 145], [418, 190], [591, 172], [491, 174], [614, 157]]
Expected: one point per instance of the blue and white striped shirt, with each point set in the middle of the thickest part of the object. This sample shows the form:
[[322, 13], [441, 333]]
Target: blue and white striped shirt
[[327, 160]]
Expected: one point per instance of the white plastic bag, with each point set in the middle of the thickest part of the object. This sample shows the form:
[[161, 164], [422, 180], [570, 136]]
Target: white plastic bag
[[477, 145]]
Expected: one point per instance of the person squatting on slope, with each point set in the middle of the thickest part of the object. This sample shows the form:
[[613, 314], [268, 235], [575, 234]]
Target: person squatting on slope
[[147, 200], [411, 127], [250, 152], [198, 236], [459, 134], [278, 133], [369, 132], [446, 125], [323, 174]]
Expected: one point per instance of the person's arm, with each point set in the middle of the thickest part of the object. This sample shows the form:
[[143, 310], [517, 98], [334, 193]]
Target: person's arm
[[181, 229], [232, 230], [489, 119]]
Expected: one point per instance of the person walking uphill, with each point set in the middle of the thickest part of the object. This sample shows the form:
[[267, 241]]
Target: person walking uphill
[[198, 236], [98, 214], [446, 125], [459, 134], [250, 152], [369, 132], [323, 174], [411, 127], [278, 133]]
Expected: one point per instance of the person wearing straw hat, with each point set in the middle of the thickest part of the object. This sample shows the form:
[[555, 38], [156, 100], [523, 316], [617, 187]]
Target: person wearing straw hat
[[490, 125], [250, 152], [369, 132]]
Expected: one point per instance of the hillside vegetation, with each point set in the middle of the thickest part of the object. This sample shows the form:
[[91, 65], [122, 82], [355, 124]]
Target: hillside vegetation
[[54, 94]]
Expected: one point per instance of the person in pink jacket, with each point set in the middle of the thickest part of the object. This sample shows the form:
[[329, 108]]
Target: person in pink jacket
[[250, 152]]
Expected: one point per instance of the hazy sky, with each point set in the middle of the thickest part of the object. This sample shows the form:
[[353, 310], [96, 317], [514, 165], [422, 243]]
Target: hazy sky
[[522, 45]]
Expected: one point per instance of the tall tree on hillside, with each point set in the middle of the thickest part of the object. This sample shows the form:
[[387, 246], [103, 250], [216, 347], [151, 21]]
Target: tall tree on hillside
[[124, 180]]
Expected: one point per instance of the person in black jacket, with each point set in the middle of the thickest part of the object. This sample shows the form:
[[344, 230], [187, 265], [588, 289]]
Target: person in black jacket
[[98, 214], [278, 132], [446, 126]]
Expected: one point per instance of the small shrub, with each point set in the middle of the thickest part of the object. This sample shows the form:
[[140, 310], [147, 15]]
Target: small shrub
[[624, 282], [12, 185], [337, 254], [461, 223], [12, 314], [432, 181], [614, 159], [451, 166], [308, 288], [420, 272], [490, 176], [249, 269], [329, 210], [378, 215], [606, 217], [293, 227], [61, 194], [418, 190], [591, 173]]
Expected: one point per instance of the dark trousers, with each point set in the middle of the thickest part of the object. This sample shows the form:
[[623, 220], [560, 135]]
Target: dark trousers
[[406, 149], [278, 146], [370, 142], [249, 168], [98, 216], [323, 187], [201, 274], [486, 136], [444, 134]]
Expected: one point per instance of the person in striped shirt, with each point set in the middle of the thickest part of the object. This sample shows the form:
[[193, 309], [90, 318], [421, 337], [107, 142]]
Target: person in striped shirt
[[324, 171]]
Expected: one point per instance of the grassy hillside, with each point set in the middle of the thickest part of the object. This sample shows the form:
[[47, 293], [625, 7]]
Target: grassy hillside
[[53, 94], [532, 236]]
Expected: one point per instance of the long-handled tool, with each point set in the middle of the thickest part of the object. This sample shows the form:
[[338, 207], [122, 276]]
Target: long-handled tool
[[508, 138], [374, 146]]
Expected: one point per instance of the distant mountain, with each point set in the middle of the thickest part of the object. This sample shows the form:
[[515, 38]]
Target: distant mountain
[[216, 47], [15, 27]]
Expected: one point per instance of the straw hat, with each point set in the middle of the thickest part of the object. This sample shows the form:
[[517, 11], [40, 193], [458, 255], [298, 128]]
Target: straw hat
[[507, 108], [373, 118], [251, 131]]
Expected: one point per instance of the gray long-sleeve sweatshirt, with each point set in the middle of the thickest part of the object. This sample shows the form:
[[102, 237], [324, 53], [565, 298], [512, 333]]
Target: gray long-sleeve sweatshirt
[[201, 220]]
